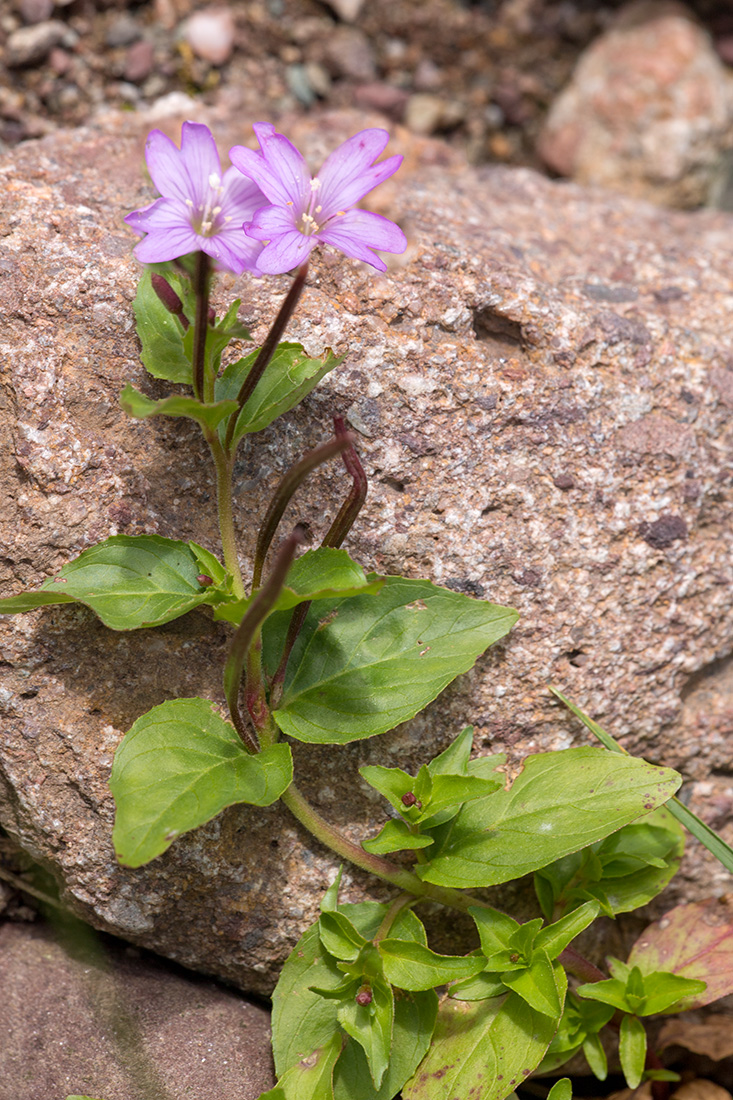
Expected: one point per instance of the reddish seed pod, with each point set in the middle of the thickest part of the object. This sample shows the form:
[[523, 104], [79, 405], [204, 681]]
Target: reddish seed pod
[[364, 996], [204, 581], [408, 799], [167, 294]]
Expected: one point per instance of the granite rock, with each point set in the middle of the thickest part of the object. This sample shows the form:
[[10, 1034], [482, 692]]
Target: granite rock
[[648, 111], [545, 371], [81, 1014]]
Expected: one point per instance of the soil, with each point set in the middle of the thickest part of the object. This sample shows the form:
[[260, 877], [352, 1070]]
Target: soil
[[481, 74]]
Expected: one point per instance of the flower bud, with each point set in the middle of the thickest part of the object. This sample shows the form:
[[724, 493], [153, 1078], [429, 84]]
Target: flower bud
[[203, 580], [364, 996], [409, 799], [169, 298]]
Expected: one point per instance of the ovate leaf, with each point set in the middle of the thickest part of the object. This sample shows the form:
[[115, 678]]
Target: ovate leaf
[[364, 664], [290, 375], [129, 581], [311, 1078], [395, 836], [178, 767], [632, 1049], [560, 802], [410, 965], [692, 941], [161, 334], [481, 1050], [138, 405], [316, 575]]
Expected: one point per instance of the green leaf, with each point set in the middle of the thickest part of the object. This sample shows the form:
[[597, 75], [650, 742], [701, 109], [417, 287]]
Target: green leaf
[[595, 1056], [632, 1049], [611, 991], [480, 988], [178, 767], [412, 966], [561, 1090], [561, 801], [482, 1050], [392, 783], [138, 405], [541, 985], [557, 936], [311, 1078], [412, 1030], [664, 992], [370, 1026], [161, 334], [364, 664], [693, 941], [129, 581], [395, 836], [330, 900], [302, 1020], [316, 575], [290, 375], [702, 832], [339, 937]]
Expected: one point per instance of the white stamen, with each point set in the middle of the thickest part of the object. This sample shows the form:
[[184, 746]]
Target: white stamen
[[315, 183], [189, 202], [215, 181]]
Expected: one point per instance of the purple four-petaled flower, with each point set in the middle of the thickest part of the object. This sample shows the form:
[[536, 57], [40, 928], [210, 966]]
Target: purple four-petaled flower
[[200, 210], [305, 211]]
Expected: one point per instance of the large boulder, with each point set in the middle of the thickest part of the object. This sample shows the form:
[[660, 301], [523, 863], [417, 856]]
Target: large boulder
[[542, 389]]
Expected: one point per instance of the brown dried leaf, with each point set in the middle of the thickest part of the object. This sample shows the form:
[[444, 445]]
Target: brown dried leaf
[[700, 1089], [712, 1036], [693, 941]]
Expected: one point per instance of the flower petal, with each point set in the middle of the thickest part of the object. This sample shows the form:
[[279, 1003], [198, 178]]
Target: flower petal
[[270, 222], [279, 170], [182, 173], [285, 252], [347, 174], [166, 244], [240, 197], [233, 251], [358, 231]]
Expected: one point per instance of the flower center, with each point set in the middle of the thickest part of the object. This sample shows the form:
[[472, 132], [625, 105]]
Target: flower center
[[307, 223], [205, 218]]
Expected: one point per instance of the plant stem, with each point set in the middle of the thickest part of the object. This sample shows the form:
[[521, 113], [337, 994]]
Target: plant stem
[[402, 901], [576, 964], [283, 494], [224, 464], [201, 324], [354, 502], [376, 865], [268, 348], [248, 630]]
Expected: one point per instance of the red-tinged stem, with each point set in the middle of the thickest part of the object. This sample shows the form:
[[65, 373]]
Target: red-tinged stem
[[268, 348], [576, 964], [201, 323], [246, 637], [283, 495]]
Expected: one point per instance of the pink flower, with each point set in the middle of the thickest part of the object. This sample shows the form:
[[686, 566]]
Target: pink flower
[[305, 211], [200, 210]]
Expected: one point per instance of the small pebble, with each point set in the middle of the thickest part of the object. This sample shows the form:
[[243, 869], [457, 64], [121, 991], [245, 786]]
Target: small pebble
[[139, 61], [28, 45], [210, 34], [427, 114], [349, 54], [35, 11], [348, 10], [123, 32], [378, 96]]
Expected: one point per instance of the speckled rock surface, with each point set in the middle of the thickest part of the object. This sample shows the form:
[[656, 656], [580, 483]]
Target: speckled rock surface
[[648, 111], [542, 388], [81, 1015]]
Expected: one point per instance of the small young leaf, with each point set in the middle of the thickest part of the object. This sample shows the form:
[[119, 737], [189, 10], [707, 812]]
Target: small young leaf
[[561, 1090], [311, 1078], [339, 937], [557, 936], [541, 985], [330, 900], [395, 836], [161, 334], [560, 802], [412, 966], [177, 768], [364, 664], [692, 941], [317, 575], [138, 405], [481, 1050], [665, 992], [595, 1056], [495, 929], [289, 377], [371, 1026], [480, 988], [632, 1049], [393, 783], [611, 991]]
